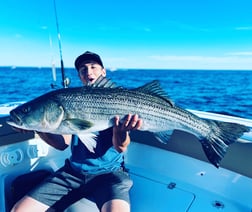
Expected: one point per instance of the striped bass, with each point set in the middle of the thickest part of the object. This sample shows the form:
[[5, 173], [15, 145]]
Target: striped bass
[[88, 109]]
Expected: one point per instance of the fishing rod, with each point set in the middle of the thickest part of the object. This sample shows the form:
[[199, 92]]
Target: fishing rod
[[65, 81]]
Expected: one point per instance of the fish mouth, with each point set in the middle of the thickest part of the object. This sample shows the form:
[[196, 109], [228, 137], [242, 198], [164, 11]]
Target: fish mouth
[[14, 118]]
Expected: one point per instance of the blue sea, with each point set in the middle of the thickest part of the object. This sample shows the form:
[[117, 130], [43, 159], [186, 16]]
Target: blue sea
[[225, 92]]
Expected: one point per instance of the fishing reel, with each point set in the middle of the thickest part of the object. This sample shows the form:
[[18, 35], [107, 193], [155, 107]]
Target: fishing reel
[[65, 83]]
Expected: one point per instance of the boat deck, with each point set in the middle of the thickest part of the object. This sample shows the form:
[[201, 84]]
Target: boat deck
[[168, 181]]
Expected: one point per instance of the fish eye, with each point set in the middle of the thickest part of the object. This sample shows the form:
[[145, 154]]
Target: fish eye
[[25, 109]]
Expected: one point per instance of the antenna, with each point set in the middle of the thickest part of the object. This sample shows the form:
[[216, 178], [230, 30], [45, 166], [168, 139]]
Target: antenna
[[65, 81]]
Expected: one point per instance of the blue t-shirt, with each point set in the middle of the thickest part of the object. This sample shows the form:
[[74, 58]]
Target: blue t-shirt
[[105, 157]]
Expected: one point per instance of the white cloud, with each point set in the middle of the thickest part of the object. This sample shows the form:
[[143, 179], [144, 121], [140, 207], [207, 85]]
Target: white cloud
[[147, 29], [176, 58], [240, 53], [244, 28], [238, 62], [17, 35], [44, 27]]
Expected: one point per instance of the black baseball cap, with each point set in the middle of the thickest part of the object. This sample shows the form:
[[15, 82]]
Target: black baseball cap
[[87, 57]]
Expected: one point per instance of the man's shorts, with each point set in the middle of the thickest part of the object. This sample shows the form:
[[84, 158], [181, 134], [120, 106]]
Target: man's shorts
[[67, 186]]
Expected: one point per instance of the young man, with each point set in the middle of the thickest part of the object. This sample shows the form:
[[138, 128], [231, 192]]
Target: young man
[[98, 176]]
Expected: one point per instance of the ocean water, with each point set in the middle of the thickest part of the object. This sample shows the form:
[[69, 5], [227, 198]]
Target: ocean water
[[225, 92]]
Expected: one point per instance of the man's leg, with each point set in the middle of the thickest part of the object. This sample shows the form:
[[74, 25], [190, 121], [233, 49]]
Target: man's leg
[[28, 204]]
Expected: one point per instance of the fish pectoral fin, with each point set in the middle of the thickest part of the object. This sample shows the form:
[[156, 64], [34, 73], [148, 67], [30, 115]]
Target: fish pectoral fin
[[78, 124], [89, 140], [163, 136]]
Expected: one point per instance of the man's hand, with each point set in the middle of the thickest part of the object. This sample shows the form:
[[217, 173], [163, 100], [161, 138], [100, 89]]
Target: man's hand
[[121, 137]]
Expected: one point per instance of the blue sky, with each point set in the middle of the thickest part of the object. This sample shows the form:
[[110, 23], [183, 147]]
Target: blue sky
[[170, 34]]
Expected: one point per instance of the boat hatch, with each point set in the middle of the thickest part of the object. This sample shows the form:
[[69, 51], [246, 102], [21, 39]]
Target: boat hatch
[[163, 197]]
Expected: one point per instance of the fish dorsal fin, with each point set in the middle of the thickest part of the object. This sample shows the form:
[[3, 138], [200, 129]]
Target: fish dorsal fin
[[154, 88], [103, 82]]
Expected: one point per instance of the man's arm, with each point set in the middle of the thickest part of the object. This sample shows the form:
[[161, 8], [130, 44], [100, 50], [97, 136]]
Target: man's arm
[[59, 142], [121, 138]]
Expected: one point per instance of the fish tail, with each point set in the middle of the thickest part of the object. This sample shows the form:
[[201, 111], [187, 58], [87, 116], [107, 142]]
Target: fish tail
[[222, 135]]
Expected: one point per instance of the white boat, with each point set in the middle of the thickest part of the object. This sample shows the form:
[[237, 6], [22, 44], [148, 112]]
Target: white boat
[[175, 177]]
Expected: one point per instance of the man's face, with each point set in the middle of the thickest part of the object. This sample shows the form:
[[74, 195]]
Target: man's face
[[90, 72]]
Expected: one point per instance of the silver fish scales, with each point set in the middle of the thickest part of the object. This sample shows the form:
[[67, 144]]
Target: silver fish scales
[[88, 109]]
